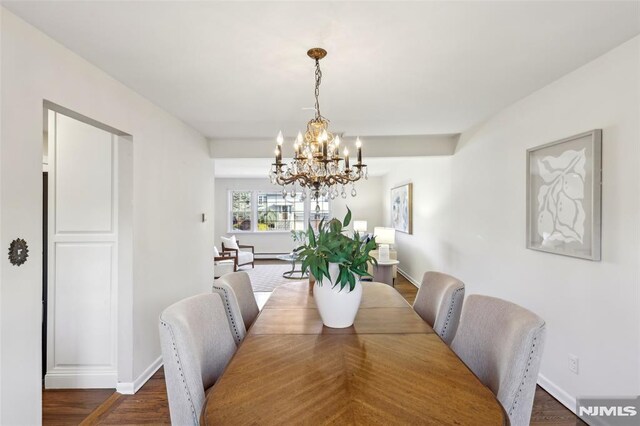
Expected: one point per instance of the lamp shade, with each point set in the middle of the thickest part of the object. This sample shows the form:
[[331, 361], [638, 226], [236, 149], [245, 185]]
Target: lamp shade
[[384, 235], [360, 226]]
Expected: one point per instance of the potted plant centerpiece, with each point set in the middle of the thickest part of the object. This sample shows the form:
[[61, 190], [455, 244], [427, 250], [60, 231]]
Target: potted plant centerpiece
[[337, 261]]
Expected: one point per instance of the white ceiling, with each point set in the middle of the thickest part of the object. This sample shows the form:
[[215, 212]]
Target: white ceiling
[[239, 69]]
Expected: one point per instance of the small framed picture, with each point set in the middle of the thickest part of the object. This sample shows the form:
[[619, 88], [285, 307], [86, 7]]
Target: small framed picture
[[401, 208], [564, 183]]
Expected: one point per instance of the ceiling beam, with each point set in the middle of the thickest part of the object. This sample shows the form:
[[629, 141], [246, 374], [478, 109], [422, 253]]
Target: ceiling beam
[[372, 146]]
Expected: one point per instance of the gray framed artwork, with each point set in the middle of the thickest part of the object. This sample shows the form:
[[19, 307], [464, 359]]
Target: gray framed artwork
[[564, 184], [401, 208]]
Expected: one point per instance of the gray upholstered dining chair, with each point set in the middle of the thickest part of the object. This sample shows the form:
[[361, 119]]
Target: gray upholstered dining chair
[[439, 303], [196, 347], [502, 344], [239, 301]]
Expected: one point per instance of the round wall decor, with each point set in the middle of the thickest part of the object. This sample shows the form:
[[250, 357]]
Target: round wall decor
[[18, 251]]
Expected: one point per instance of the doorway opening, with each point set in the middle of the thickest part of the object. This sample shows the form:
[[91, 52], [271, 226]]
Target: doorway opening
[[87, 252]]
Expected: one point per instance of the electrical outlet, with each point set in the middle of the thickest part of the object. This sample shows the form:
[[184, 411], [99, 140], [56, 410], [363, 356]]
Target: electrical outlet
[[573, 363]]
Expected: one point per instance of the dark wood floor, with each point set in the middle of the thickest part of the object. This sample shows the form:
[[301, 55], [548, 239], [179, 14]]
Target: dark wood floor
[[149, 405], [71, 406]]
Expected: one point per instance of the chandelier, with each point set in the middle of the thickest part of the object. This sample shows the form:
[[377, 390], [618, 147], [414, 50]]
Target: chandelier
[[317, 165]]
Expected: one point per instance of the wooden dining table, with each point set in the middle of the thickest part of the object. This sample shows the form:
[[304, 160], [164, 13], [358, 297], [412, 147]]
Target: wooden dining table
[[388, 368]]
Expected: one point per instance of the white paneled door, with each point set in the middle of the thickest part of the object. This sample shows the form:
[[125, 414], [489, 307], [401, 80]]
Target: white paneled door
[[82, 244]]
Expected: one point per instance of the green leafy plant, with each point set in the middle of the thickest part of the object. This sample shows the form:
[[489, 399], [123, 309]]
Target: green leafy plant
[[332, 245], [298, 236]]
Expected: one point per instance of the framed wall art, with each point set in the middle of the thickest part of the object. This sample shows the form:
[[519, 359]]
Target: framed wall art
[[564, 196], [402, 208]]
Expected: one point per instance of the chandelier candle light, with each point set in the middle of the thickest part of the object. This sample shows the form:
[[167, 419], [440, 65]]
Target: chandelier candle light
[[317, 165]]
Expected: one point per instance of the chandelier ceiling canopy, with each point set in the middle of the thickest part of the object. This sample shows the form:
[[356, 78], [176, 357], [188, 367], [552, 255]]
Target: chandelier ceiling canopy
[[317, 165]]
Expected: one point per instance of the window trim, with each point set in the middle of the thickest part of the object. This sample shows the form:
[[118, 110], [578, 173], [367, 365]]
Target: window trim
[[254, 212], [230, 229]]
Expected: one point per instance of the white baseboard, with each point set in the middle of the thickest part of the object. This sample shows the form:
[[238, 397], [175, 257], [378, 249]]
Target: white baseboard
[[130, 388], [267, 255], [125, 388], [558, 393], [410, 278], [80, 380]]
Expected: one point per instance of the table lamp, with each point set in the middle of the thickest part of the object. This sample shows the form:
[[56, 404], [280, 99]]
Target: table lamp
[[359, 226], [384, 237]]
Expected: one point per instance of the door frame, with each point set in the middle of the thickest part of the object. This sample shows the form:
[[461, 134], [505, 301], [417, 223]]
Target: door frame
[[123, 281]]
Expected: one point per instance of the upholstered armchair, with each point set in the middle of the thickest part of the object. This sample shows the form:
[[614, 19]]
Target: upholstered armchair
[[439, 303], [196, 346], [224, 263], [230, 244], [237, 294], [502, 343]]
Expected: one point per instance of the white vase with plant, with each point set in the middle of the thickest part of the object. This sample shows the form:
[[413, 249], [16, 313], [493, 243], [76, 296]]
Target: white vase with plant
[[337, 262]]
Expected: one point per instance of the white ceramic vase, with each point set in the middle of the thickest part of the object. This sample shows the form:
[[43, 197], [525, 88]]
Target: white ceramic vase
[[338, 308]]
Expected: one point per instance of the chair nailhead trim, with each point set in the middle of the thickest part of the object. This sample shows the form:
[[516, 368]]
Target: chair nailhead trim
[[524, 377], [450, 312], [177, 358], [228, 307]]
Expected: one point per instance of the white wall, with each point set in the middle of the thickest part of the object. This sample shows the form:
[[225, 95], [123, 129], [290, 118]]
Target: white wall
[[469, 217], [173, 183], [428, 246], [367, 205]]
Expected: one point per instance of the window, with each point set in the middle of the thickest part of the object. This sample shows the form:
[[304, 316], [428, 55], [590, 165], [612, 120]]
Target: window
[[241, 212], [276, 213], [257, 211]]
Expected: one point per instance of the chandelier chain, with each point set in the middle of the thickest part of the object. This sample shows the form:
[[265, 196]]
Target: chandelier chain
[[317, 91]]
